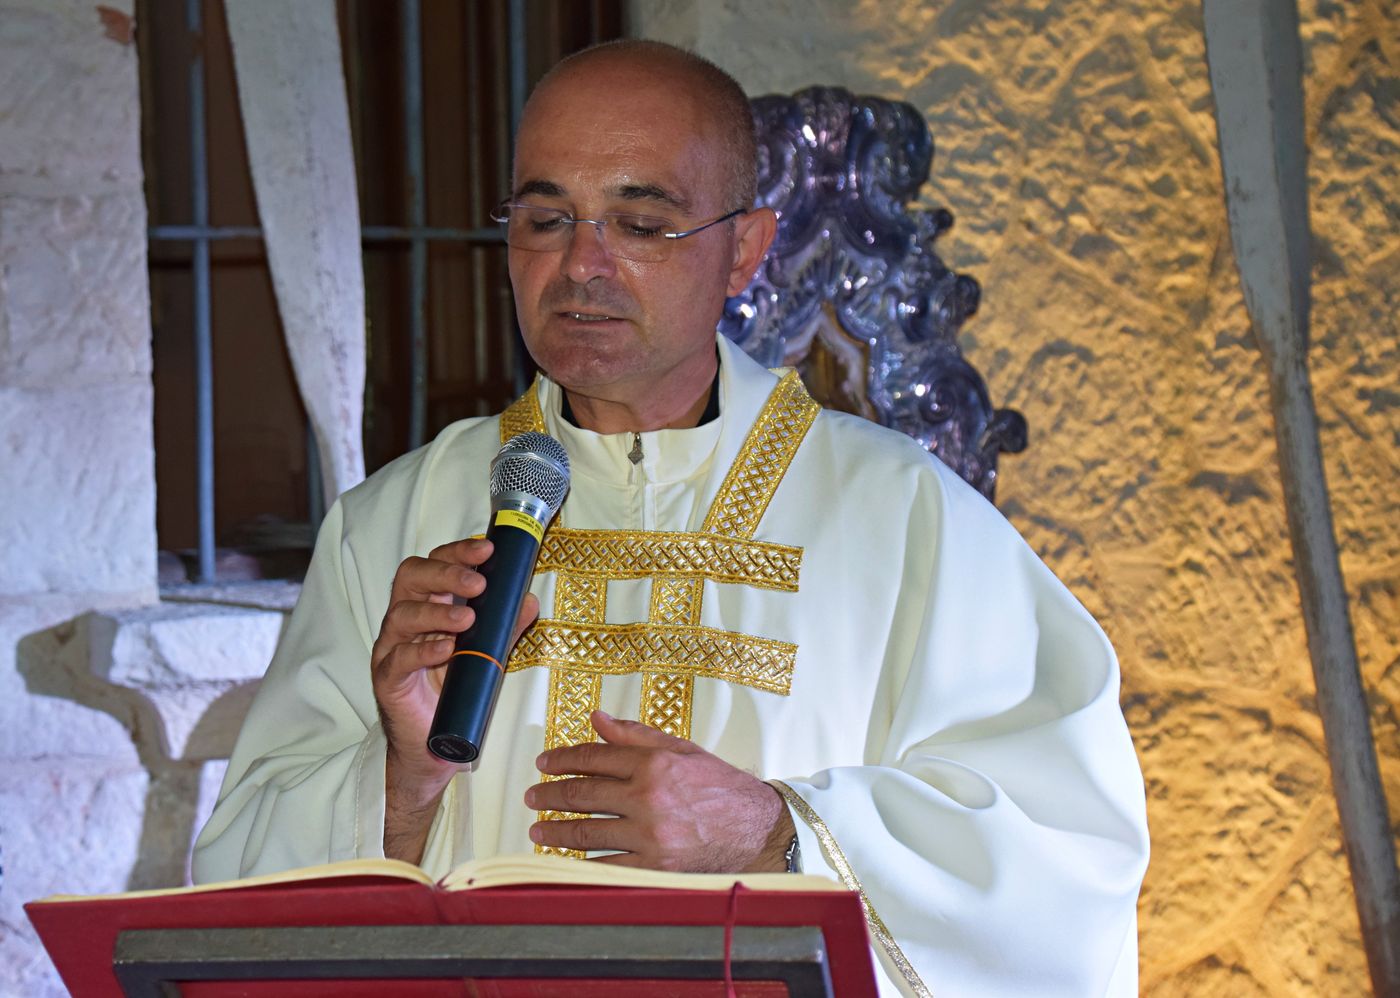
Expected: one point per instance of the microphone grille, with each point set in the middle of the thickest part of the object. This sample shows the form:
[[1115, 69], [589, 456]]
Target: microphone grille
[[535, 464]]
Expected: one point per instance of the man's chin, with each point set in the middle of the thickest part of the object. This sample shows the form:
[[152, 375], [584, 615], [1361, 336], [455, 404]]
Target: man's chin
[[586, 367]]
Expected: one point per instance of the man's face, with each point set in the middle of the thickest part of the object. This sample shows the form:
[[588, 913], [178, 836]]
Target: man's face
[[612, 137]]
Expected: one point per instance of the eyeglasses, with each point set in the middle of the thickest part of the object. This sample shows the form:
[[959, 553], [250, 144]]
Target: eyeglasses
[[642, 238]]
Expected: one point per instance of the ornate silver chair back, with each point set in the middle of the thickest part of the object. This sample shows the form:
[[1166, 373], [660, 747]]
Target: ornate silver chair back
[[852, 293]]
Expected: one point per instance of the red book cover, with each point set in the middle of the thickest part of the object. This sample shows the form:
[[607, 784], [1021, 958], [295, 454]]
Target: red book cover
[[80, 933]]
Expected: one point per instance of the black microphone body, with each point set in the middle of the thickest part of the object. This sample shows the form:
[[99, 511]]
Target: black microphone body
[[519, 514]]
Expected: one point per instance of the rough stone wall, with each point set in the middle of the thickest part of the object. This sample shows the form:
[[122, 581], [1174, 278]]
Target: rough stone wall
[[1076, 147], [77, 484]]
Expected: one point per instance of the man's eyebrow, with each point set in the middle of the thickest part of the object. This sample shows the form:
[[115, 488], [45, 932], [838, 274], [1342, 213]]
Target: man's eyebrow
[[651, 192], [542, 188]]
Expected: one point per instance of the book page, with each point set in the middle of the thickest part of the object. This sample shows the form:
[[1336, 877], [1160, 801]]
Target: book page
[[530, 868], [388, 868], [498, 871]]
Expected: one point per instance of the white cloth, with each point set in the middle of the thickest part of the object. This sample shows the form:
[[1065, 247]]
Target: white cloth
[[952, 720]]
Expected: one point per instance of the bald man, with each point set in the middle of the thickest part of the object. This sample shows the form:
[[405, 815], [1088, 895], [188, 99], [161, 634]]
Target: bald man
[[760, 637]]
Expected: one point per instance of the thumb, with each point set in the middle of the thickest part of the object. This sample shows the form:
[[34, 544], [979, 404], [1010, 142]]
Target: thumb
[[529, 610], [616, 731]]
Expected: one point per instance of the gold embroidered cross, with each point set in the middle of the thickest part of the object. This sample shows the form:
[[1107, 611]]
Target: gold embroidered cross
[[671, 647]]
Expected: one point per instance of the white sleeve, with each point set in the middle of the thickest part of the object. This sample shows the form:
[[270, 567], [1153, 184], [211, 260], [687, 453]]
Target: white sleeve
[[997, 830], [305, 783]]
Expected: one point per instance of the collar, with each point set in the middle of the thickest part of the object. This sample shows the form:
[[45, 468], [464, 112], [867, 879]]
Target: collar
[[741, 389]]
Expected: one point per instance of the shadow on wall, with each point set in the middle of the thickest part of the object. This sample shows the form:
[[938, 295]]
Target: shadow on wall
[[182, 727]]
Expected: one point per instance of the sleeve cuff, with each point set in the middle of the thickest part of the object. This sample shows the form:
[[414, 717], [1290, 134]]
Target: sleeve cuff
[[361, 836]]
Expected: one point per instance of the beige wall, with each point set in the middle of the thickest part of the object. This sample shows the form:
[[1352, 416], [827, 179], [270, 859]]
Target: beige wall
[[1076, 147]]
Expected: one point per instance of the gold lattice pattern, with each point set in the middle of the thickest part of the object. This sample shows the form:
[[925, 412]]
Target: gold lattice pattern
[[666, 702], [671, 648], [578, 694], [581, 599], [580, 688], [675, 601], [523, 415], [764, 459], [639, 554], [573, 695], [620, 649]]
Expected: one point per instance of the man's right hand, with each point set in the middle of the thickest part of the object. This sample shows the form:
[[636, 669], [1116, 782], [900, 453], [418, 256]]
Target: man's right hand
[[406, 665]]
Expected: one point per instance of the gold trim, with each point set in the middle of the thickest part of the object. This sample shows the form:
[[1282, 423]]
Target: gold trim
[[524, 414], [878, 928], [666, 702], [675, 601], [639, 554], [738, 507], [622, 649], [754, 476], [581, 599], [667, 698], [573, 695], [671, 648]]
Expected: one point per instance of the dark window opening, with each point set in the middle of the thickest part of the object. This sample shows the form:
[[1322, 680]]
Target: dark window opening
[[447, 289]]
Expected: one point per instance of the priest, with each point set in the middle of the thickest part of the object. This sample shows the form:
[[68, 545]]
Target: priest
[[761, 636]]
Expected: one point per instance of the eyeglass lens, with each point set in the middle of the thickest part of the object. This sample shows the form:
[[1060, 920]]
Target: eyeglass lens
[[625, 235]]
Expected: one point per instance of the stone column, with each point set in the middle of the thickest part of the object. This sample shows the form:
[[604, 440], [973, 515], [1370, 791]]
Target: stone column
[[77, 481]]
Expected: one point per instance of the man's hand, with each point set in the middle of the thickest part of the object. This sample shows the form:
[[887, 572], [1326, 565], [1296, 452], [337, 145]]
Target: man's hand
[[677, 806], [406, 665]]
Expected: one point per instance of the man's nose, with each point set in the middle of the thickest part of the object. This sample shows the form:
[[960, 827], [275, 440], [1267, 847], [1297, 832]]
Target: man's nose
[[587, 256]]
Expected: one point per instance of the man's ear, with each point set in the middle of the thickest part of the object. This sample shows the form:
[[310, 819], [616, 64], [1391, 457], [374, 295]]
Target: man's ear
[[755, 231]]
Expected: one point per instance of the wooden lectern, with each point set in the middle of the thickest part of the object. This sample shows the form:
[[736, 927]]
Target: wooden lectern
[[374, 935]]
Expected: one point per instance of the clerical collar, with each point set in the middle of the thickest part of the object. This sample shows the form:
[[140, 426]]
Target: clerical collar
[[710, 414]]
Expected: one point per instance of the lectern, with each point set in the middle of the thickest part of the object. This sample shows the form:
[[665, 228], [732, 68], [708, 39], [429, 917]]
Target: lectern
[[360, 935]]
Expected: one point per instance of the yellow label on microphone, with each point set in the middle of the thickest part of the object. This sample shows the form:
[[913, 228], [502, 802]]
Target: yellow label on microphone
[[523, 521]]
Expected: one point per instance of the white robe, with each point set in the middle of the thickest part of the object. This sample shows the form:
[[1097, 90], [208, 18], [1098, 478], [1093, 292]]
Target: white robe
[[951, 737]]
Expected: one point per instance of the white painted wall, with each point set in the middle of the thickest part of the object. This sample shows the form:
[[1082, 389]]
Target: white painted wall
[[77, 469]]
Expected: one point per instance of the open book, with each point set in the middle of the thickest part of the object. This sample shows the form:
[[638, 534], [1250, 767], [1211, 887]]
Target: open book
[[510, 870]]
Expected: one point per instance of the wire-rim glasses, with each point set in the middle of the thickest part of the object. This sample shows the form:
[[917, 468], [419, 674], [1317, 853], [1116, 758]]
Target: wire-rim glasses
[[625, 234]]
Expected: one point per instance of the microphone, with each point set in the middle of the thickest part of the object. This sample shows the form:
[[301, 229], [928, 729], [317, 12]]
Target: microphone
[[529, 477]]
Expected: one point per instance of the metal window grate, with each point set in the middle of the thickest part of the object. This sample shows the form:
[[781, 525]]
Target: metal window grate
[[561, 27]]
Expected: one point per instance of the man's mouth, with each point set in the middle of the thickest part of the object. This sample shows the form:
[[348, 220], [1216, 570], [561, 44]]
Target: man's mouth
[[589, 317]]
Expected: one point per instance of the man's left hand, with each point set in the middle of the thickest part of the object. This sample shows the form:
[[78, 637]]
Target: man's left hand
[[677, 806]]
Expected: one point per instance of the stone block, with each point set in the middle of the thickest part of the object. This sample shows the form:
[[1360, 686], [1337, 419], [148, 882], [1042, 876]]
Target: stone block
[[168, 683], [74, 299], [69, 99], [71, 828], [78, 514], [39, 716], [189, 670]]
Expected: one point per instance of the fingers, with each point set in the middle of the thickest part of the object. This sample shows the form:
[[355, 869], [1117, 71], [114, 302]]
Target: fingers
[[421, 601], [616, 731], [579, 795], [618, 762], [471, 551], [587, 834], [412, 656], [413, 624], [422, 578]]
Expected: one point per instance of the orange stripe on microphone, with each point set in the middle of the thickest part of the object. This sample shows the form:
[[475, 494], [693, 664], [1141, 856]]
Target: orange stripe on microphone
[[480, 654]]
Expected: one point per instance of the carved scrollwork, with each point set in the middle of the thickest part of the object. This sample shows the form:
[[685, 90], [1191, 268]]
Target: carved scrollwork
[[839, 170]]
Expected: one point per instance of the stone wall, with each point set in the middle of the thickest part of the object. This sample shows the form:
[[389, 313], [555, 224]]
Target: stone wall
[[1076, 148], [77, 516], [77, 484]]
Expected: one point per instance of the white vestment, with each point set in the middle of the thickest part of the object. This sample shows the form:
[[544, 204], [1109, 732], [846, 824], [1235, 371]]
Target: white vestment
[[948, 729]]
